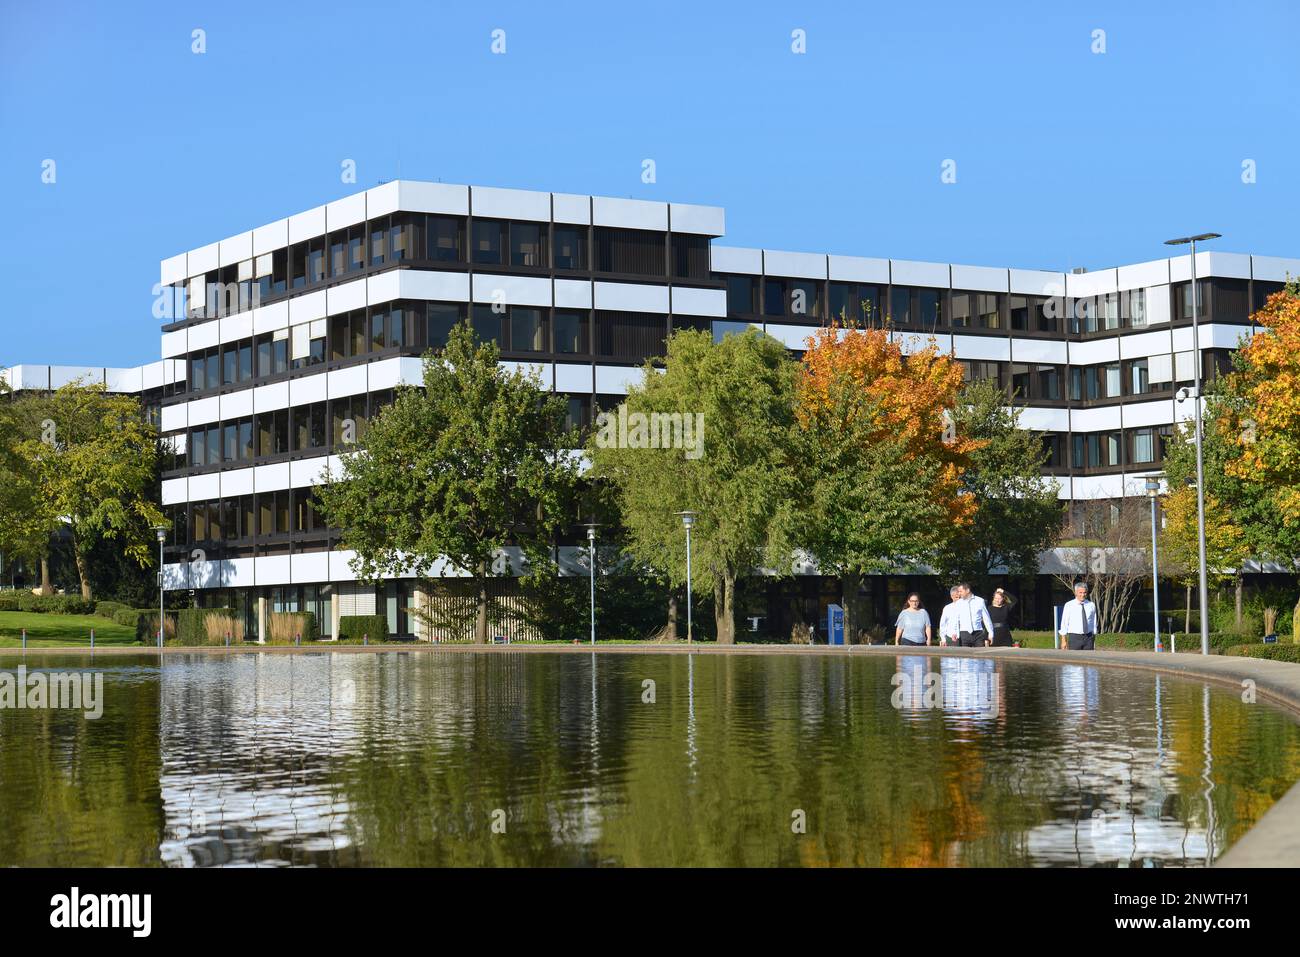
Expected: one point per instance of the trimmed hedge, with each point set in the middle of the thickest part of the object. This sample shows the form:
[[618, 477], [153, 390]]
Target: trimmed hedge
[[1272, 652], [192, 626], [353, 627], [48, 604], [109, 609]]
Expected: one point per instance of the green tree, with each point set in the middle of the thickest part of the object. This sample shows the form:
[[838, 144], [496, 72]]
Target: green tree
[[475, 461], [734, 468], [1019, 513], [26, 518], [90, 458]]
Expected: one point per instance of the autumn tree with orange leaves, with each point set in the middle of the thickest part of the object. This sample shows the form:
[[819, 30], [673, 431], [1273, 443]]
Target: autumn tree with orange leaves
[[883, 463]]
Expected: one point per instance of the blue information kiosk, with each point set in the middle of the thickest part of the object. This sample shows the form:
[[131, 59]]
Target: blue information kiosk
[[834, 625]]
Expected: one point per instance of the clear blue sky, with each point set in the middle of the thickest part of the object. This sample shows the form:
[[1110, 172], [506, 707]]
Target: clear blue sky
[[1064, 157]]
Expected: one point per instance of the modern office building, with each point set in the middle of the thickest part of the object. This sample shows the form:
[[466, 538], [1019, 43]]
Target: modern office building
[[292, 332]]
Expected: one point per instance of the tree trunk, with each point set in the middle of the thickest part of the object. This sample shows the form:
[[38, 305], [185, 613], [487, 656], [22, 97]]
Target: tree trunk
[[46, 587], [481, 619], [724, 595], [670, 632], [855, 612], [83, 573], [1237, 608]]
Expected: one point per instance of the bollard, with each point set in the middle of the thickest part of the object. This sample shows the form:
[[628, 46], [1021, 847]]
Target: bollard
[[24, 639], [92, 638], [365, 639], [227, 639], [1173, 643], [297, 640]]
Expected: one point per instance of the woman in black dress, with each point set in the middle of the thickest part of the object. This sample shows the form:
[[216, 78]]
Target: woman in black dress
[[1000, 611]]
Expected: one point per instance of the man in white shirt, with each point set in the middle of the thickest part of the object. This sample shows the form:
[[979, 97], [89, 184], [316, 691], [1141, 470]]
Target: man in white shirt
[[1079, 621], [948, 618], [974, 623]]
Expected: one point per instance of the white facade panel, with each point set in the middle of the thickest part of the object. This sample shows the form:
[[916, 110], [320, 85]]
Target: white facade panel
[[236, 327], [204, 411], [125, 381], [310, 567], [736, 259], [1099, 486], [345, 212], [272, 317], [689, 301], [629, 213], [980, 278], [306, 308], [1039, 350], [307, 225], [345, 298], [792, 337], [385, 287], [174, 270], [1101, 419], [1225, 265], [1141, 414], [308, 389], [386, 198], [175, 343], [615, 380], [340, 568], [985, 348], [384, 374], [307, 472], [273, 570], [1143, 344], [343, 382], [1045, 420], [795, 265], [417, 197], [570, 377], [490, 202], [572, 294], [631, 297], [434, 286], [234, 405], [913, 342], [175, 491], [568, 208], [1275, 268], [513, 290], [543, 372], [1141, 275], [1082, 285], [904, 272], [204, 259], [858, 269], [1036, 282], [698, 220], [236, 482], [236, 249], [271, 478], [204, 488], [270, 398], [205, 335], [1092, 351], [174, 418], [270, 237]]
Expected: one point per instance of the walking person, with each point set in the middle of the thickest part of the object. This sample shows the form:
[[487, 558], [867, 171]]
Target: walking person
[[913, 624], [1079, 621], [1000, 614], [974, 626], [948, 617]]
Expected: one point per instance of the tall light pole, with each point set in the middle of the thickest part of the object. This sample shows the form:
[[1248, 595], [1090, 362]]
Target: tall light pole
[[1200, 457], [591, 545], [688, 522], [1153, 492], [161, 531]]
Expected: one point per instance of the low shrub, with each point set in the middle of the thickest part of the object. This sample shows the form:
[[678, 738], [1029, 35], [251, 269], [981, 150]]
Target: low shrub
[[353, 627], [46, 604], [109, 609], [1272, 652]]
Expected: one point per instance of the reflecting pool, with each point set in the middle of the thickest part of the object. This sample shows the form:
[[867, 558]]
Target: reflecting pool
[[519, 758]]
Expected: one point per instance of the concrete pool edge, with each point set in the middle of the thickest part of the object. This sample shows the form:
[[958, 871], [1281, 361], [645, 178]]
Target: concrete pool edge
[[1274, 841]]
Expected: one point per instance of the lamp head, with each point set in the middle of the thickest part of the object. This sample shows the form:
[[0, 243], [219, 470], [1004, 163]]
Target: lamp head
[[688, 519], [1153, 486]]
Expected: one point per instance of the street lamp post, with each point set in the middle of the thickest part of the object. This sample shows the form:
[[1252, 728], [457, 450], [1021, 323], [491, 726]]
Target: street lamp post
[[591, 545], [1200, 457], [161, 531], [688, 522], [1153, 492]]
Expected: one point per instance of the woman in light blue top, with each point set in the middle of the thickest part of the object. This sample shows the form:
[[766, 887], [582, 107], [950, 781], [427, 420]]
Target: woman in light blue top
[[913, 624]]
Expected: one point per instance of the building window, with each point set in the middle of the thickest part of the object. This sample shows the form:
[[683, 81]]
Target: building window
[[742, 293], [487, 242], [773, 297], [1133, 304], [527, 330], [446, 239], [527, 244], [630, 335], [637, 252], [961, 309], [988, 310], [721, 329], [690, 256], [572, 333], [570, 247], [487, 323], [440, 319]]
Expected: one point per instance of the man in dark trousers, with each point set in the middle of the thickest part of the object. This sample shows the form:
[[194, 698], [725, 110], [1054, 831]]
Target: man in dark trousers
[[1079, 621], [974, 624]]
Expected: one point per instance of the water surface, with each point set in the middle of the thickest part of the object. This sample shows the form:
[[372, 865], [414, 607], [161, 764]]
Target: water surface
[[438, 759]]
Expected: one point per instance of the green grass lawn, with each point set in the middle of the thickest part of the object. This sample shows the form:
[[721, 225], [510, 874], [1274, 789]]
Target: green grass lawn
[[60, 631]]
